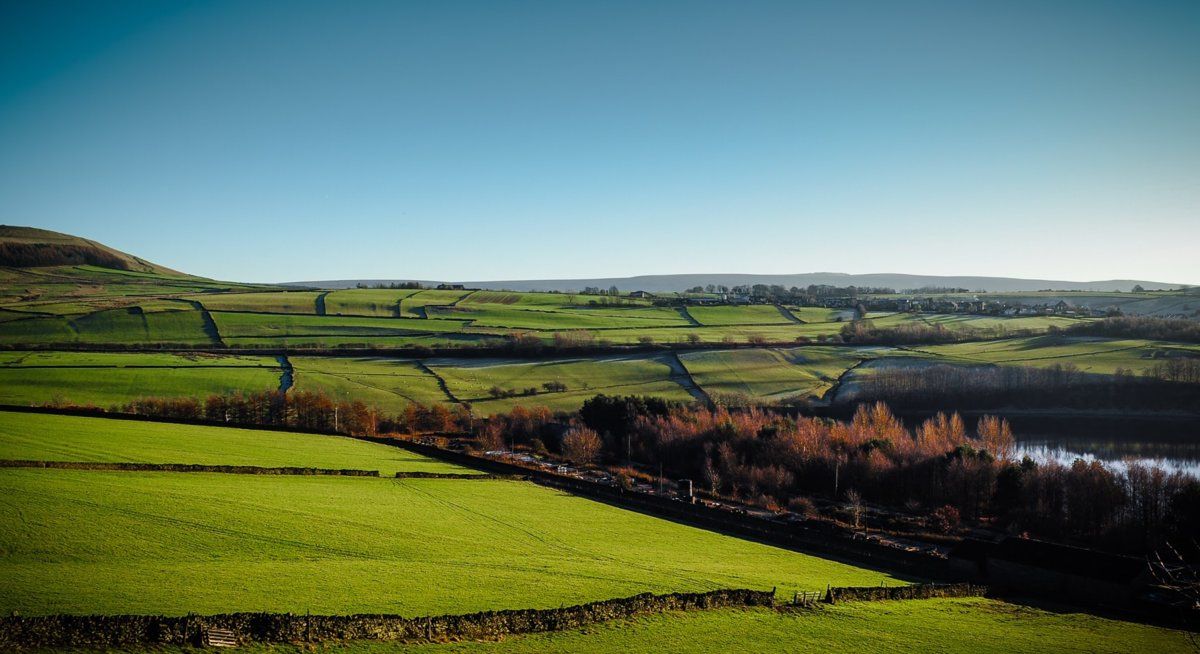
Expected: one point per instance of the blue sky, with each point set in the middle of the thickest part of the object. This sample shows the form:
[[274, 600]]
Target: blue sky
[[276, 141]]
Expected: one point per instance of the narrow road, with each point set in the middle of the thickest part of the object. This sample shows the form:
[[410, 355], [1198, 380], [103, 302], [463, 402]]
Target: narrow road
[[687, 315], [321, 303], [787, 313]]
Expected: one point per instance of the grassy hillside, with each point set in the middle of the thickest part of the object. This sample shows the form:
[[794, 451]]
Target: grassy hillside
[[771, 374], [73, 438], [32, 247], [471, 380], [107, 379], [389, 384], [113, 542]]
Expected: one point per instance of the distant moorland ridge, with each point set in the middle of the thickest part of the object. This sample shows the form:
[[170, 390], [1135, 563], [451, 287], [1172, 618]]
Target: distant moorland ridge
[[674, 283]]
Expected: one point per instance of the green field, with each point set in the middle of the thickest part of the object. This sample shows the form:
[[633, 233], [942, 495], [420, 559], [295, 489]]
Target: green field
[[129, 326], [553, 318], [107, 379], [388, 384], [72, 438], [415, 305], [301, 302], [948, 626], [755, 314], [375, 302], [1089, 354], [292, 326], [470, 380], [173, 543], [770, 375]]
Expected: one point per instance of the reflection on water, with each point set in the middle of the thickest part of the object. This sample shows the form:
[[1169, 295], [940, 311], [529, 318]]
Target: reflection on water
[[1170, 444]]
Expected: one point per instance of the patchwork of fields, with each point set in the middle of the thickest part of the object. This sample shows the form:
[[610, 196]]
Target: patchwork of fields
[[83, 305], [493, 384]]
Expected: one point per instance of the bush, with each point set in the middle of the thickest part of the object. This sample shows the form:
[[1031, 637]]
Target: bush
[[802, 506], [944, 519]]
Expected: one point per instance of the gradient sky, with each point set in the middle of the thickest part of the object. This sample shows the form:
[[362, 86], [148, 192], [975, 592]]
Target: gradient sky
[[277, 141]]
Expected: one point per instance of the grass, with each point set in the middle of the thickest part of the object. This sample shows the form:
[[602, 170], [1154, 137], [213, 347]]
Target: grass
[[107, 379], [171, 543], [821, 314], [127, 326], [770, 374], [414, 305], [281, 326], [1089, 354], [301, 302], [471, 379], [755, 314], [558, 318], [376, 302], [389, 384], [948, 626], [74, 438]]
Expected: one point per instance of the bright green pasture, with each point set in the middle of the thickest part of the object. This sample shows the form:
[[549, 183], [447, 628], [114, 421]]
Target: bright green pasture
[[471, 379], [377, 302], [553, 318], [946, 626], [300, 302], [512, 298], [1089, 354], [107, 379], [770, 374], [73, 438], [280, 326], [780, 333], [820, 314], [1000, 323], [414, 305], [119, 326], [173, 543], [352, 341], [755, 314], [389, 384]]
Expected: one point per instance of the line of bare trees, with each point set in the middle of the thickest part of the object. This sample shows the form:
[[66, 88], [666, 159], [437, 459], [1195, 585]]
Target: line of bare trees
[[942, 469], [312, 410], [1166, 329]]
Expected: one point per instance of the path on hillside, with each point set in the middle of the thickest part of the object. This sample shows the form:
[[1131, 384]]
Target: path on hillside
[[687, 315], [320, 302], [787, 313], [680, 375]]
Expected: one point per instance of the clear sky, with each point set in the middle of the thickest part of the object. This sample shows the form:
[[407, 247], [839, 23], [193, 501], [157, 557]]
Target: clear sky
[[277, 141]]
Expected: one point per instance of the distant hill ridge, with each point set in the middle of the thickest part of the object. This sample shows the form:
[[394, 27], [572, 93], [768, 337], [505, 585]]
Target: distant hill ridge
[[670, 283], [29, 247]]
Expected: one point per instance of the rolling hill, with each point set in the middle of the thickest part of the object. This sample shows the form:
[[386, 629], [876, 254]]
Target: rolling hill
[[29, 247]]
